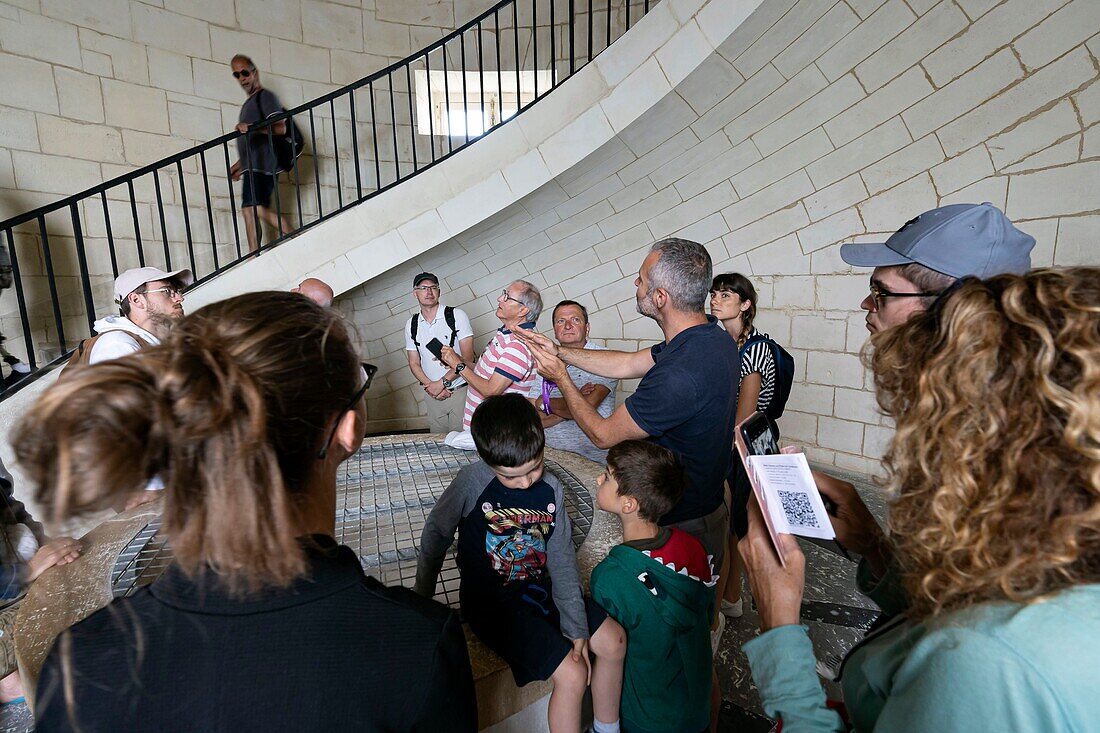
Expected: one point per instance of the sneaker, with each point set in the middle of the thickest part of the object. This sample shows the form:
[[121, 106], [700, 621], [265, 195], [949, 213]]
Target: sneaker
[[733, 610], [716, 635], [829, 667]]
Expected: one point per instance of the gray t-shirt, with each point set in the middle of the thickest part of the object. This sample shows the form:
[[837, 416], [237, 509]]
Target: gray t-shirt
[[259, 157], [567, 435]]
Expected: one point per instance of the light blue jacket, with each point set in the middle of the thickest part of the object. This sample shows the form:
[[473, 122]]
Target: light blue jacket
[[1000, 667]]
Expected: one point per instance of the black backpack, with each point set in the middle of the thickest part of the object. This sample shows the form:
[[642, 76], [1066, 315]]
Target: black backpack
[[784, 373], [448, 316], [288, 146]]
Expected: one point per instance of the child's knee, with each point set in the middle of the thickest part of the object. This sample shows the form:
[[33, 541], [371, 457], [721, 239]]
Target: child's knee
[[571, 675], [609, 641]]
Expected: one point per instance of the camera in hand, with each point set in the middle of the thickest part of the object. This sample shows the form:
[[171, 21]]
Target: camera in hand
[[436, 347]]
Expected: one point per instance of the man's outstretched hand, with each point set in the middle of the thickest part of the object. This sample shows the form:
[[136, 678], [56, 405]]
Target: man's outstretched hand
[[550, 366], [535, 340]]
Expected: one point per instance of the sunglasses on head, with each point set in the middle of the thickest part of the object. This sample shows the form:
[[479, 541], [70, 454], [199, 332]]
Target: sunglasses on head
[[242, 74]]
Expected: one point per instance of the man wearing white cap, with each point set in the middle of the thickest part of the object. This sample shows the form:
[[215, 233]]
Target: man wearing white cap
[[150, 301]]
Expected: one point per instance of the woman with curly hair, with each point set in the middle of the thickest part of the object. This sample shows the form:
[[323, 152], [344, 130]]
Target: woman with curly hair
[[993, 554]]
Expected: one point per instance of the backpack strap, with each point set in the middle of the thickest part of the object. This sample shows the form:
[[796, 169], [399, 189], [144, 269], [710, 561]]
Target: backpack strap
[[755, 338], [449, 317], [414, 326]]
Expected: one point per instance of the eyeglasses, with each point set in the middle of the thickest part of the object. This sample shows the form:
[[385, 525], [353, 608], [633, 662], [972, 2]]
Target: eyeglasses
[[879, 295], [504, 294], [242, 74], [169, 291], [369, 371], [426, 288]]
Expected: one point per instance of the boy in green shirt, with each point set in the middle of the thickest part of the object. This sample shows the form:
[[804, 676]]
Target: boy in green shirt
[[659, 585]]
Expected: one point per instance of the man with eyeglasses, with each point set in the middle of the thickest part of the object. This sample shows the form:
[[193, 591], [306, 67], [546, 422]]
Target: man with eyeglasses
[[150, 302], [451, 326], [930, 253], [571, 329], [256, 161], [919, 263], [506, 365]]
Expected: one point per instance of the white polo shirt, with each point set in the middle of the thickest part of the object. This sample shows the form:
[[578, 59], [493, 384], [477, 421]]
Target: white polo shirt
[[438, 328]]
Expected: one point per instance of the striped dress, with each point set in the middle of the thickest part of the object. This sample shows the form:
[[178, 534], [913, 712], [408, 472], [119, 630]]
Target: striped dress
[[505, 355]]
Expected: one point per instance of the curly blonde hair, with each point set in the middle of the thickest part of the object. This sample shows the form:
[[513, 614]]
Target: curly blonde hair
[[995, 392]]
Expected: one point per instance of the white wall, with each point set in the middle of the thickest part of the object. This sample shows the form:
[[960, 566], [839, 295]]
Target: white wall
[[818, 122], [97, 88]]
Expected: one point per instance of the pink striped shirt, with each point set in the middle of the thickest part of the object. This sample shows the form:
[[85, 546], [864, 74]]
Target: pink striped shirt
[[505, 355]]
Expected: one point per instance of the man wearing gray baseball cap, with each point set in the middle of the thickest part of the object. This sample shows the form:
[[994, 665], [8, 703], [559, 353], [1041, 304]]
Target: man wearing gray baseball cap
[[150, 301], [929, 253]]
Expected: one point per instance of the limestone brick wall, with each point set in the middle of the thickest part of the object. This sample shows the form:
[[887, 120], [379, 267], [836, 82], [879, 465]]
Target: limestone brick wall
[[94, 90], [98, 89], [818, 122]]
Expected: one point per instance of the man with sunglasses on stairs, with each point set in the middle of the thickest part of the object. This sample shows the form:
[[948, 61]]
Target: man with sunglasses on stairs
[[256, 160]]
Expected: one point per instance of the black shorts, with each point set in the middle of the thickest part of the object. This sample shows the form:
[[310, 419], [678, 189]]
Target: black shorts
[[257, 189], [739, 508], [521, 623], [712, 530]]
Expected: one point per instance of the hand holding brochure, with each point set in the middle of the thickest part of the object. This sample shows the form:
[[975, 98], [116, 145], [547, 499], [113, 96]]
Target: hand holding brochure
[[792, 497], [783, 486]]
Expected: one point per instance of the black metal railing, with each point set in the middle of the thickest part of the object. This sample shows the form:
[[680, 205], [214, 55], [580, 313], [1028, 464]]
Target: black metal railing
[[360, 140]]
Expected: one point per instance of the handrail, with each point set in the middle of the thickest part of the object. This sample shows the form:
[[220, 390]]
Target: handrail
[[167, 208]]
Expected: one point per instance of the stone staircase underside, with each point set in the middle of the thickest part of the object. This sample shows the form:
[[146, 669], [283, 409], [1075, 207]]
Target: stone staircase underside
[[593, 106], [597, 103]]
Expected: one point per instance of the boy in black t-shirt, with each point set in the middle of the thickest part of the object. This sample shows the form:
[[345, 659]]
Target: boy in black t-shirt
[[519, 587]]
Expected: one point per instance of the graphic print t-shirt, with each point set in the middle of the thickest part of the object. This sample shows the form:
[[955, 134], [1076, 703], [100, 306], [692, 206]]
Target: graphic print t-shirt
[[503, 540]]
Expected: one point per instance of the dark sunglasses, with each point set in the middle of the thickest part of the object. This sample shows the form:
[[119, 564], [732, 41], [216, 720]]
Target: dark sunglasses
[[242, 74], [370, 370]]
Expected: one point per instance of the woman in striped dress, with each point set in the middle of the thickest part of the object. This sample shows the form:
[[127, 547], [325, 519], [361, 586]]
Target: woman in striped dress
[[733, 303]]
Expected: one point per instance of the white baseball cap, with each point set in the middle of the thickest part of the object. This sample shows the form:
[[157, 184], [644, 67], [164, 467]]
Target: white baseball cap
[[131, 280]]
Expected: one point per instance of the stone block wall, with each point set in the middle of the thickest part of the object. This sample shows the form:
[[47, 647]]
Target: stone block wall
[[99, 89], [818, 122]]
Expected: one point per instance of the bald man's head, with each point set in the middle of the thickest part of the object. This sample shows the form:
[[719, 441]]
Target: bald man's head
[[316, 290]]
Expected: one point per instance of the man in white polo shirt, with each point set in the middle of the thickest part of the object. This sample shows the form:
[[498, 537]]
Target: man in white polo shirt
[[452, 327]]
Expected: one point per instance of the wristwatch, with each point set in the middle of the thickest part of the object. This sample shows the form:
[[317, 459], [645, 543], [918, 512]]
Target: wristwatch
[[460, 367], [447, 384]]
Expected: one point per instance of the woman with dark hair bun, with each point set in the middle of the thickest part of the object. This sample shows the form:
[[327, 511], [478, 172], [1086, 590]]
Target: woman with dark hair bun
[[733, 303], [262, 622]]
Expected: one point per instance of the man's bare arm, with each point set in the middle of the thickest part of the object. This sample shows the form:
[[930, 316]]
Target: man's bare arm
[[416, 369], [603, 432], [604, 362], [466, 348], [494, 385], [608, 363]]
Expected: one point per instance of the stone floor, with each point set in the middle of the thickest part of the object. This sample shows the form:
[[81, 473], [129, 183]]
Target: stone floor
[[835, 612]]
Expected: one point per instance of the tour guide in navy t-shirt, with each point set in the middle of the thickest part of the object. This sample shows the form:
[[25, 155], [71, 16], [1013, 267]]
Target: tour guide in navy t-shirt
[[687, 398]]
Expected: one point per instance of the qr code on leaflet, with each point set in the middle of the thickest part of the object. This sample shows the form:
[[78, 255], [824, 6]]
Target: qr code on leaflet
[[798, 509]]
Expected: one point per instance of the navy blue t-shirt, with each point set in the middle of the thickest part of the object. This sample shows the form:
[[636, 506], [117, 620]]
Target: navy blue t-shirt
[[687, 403]]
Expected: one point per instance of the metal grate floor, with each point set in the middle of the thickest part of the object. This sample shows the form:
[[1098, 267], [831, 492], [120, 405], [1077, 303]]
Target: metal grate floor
[[383, 496]]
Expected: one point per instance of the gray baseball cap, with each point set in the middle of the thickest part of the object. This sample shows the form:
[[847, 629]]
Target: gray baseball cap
[[957, 240]]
